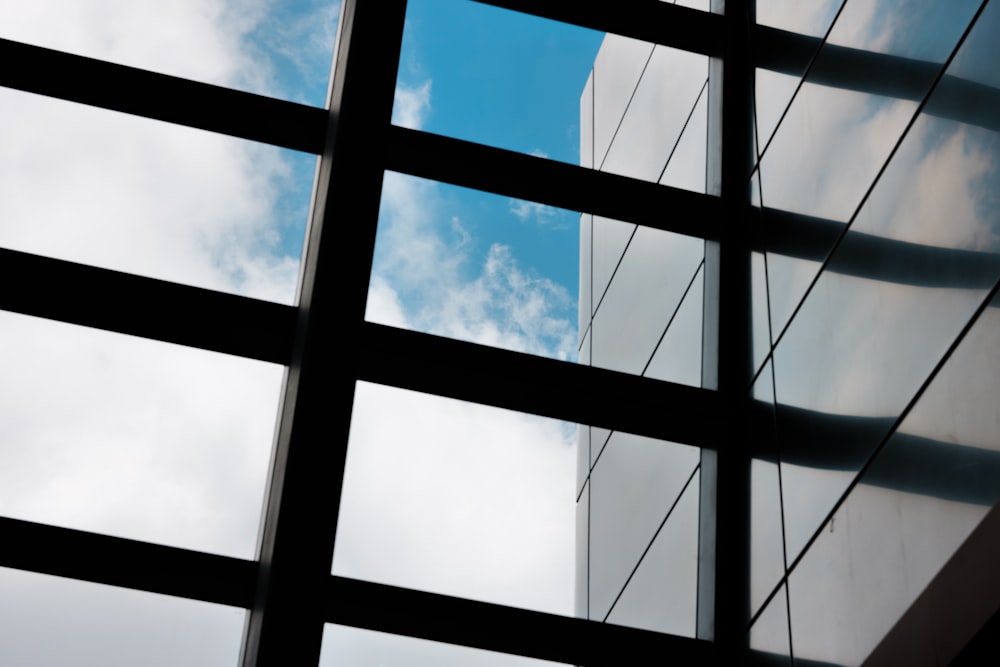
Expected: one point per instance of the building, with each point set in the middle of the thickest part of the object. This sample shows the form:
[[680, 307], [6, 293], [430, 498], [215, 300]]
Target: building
[[869, 487], [762, 470]]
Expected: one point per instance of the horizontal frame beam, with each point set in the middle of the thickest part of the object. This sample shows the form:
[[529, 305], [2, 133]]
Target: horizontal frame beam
[[157, 309], [536, 385], [115, 561], [545, 181], [162, 97], [494, 627], [648, 20]]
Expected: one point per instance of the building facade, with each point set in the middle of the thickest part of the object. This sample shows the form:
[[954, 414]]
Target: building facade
[[871, 369]]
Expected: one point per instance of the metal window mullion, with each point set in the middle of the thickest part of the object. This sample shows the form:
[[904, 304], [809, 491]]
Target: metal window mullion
[[286, 624], [723, 574]]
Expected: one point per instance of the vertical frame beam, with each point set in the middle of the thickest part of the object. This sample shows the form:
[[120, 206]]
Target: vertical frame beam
[[723, 572], [285, 627]]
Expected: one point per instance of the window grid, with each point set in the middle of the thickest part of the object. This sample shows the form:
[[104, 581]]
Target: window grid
[[289, 591]]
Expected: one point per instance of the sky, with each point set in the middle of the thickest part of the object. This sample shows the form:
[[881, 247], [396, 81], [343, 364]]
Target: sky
[[158, 442]]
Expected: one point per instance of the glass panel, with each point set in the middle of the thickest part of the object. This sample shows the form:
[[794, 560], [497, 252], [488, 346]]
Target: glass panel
[[661, 594], [769, 634], [617, 69], [582, 456], [686, 168], [461, 499], [678, 355], [611, 238], [345, 646], [657, 112], [896, 293], [773, 92], [761, 320], [654, 274], [278, 49], [494, 76], [583, 554], [587, 123], [767, 561], [585, 349], [475, 266], [853, 131], [50, 622], [586, 272], [151, 198], [132, 437], [633, 487], [598, 439]]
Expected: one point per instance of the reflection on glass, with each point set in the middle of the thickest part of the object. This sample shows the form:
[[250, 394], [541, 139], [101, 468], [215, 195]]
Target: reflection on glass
[[461, 499], [494, 76], [634, 485], [155, 199], [277, 49], [661, 594], [924, 493], [767, 562], [475, 266], [50, 621], [133, 437], [896, 293], [841, 128], [343, 645], [769, 633]]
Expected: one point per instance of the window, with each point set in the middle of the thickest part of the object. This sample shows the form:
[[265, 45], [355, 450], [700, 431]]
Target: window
[[816, 375]]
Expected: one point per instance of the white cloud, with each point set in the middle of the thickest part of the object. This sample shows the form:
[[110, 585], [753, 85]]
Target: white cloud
[[533, 211], [498, 302], [411, 105]]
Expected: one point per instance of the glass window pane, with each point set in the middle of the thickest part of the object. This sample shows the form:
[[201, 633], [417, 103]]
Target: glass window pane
[[661, 593], [655, 272], [461, 499], [634, 486], [767, 558], [131, 194], [494, 76], [50, 622], [769, 634], [132, 437], [476, 266]]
